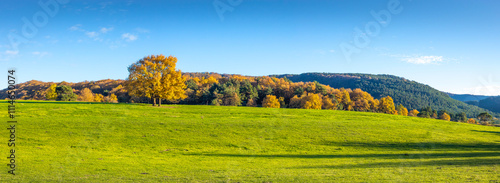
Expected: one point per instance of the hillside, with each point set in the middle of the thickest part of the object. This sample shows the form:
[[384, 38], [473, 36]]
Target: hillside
[[82, 142], [411, 94], [467, 97], [491, 103]]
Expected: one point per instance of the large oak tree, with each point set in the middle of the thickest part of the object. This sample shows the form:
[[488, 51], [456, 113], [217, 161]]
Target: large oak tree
[[155, 77]]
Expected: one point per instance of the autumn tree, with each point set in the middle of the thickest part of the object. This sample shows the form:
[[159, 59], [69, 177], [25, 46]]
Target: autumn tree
[[445, 116], [311, 101], [270, 101], [86, 95], [471, 121], [111, 99], [98, 97], [295, 102], [402, 110], [413, 112], [387, 105], [251, 103], [328, 103], [50, 93], [155, 77]]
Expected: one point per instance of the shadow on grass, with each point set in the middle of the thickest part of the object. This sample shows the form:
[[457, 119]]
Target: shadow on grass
[[467, 162], [493, 132], [379, 156], [432, 146]]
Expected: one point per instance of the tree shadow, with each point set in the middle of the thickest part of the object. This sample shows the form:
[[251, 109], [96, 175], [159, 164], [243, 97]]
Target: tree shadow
[[379, 156], [493, 132], [433, 146], [467, 162]]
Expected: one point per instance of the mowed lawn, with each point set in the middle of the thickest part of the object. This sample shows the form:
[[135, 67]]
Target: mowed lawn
[[82, 142]]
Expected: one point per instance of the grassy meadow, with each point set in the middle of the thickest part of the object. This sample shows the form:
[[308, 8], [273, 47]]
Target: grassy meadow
[[83, 142]]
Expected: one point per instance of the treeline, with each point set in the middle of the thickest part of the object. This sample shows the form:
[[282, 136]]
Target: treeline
[[237, 90], [411, 94]]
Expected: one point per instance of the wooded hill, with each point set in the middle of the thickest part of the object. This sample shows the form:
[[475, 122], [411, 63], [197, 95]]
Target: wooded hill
[[411, 94]]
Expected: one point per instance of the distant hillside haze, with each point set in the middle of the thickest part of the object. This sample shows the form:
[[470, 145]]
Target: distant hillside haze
[[411, 94], [491, 103], [467, 97]]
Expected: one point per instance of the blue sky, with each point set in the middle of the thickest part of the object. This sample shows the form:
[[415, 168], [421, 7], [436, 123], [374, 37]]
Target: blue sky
[[449, 45]]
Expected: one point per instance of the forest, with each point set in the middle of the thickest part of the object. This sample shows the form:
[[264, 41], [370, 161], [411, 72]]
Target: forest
[[409, 93], [154, 79]]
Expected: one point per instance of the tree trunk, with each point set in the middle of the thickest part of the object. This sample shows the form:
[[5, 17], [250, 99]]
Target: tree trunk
[[154, 101], [159, 102]]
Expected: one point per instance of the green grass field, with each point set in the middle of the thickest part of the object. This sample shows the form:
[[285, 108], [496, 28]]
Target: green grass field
[[81, 142]]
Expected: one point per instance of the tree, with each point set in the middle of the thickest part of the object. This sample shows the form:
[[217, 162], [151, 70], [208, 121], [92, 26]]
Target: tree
[[86, 95], [98, 97], [251, 103], [413, 112], [445, 116], [281, 100], [155, 77], [484, 117], [402, 110], [471, 121], [328, 103], [65, 93], [425, 112], [461, 117], [295, 102], [111, 99], [387, 105], [311, 101], [50, 93], [271, 102]]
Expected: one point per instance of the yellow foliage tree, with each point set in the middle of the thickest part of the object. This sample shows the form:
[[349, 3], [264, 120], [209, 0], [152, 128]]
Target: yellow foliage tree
[[98, 98], [111, 99], [328, 104], [86, 95], [270, 101], [445, 116], [387, 105], [50, 93], [155, 77], [413, 112], [311, 101], [471, 121], [402, 110]]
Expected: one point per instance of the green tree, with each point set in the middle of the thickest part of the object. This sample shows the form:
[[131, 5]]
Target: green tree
[[65, 93], [484, 117]]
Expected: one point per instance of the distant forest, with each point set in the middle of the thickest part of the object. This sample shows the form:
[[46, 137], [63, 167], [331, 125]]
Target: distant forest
[[411, 94]]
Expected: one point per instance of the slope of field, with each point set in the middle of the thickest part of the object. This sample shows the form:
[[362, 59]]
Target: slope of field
[[411, 94], [81, 142]]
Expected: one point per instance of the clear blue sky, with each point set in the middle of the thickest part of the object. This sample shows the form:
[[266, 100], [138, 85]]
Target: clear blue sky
[[450, 45]]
